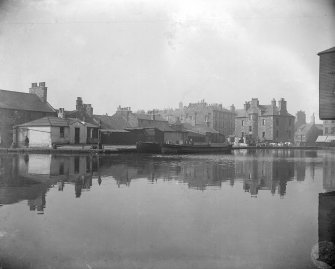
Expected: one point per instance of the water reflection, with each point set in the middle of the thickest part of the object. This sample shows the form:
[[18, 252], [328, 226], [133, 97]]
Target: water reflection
[[265, 172], [152, 211], [29, 177]]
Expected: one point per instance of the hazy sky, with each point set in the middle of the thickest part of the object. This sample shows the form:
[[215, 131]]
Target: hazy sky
[[153, 54]]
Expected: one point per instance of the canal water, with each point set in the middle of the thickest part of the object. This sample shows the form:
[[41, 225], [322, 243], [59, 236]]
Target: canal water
[[249, 209]]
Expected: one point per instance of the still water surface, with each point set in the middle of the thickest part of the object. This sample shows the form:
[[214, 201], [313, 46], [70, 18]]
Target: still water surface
[[256, 209]]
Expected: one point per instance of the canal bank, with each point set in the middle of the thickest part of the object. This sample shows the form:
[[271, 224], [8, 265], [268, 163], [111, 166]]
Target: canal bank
[[130, 149], [72, 150]]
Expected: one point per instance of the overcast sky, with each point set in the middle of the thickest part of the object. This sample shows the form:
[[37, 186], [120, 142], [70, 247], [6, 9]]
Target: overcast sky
[[154, 54]]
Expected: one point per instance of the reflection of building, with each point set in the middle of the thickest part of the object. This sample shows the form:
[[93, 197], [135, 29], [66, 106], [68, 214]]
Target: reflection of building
[[15, 187], [327, 217], [196, 173], [329, 173], [77, 170], [264, 173]]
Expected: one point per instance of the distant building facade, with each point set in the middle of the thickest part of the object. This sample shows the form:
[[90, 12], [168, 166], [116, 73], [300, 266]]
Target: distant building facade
[[265, 122], [20, 107], [307, 133], [201, 113], [300, 119]]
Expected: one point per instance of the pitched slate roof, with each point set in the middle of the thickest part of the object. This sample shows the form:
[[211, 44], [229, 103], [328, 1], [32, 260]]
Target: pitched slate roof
[[304, 129], [46, 121], [266, 110], [331, 50], [117, 121], [55, 122], [141, 116], [23, 101], [201, 129]]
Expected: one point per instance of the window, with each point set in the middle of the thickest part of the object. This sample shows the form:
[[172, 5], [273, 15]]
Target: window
[[76, 164], [242, 122], [263, 134], [61, 131], [95, 133], [61, 168], [250, 129], [263, 122]]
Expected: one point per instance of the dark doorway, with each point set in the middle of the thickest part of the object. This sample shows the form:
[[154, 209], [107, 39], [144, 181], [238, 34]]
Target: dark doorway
[[76, 135]]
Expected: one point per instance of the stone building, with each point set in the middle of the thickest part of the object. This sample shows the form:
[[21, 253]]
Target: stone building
[[201, 113], [258, 122], [19, 107], [82, 112], [307, 133], [300, 119], [327, 84]]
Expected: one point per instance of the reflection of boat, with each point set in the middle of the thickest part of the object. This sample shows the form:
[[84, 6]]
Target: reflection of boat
[[199, 148], [148, 147]]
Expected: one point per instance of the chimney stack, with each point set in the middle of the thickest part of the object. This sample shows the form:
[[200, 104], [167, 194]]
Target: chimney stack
[[61, 113], [246, 106], [282, 105], [79, 104], [39, 90]]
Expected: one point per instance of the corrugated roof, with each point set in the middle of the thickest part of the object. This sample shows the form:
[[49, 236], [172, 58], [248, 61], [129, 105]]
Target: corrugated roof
[[23, 101], [331, 50]]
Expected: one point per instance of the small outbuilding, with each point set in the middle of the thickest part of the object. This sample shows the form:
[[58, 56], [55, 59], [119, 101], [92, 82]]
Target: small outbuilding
[[47, 131]]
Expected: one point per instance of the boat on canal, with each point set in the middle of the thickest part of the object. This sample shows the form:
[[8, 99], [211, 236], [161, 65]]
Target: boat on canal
[[165, 148], [148, 147], [195, 148]]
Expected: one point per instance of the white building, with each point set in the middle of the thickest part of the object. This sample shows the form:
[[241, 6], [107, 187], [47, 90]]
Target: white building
[[47, 131]]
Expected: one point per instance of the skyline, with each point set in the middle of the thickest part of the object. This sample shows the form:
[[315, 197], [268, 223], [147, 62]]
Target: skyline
[[155, 54]]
